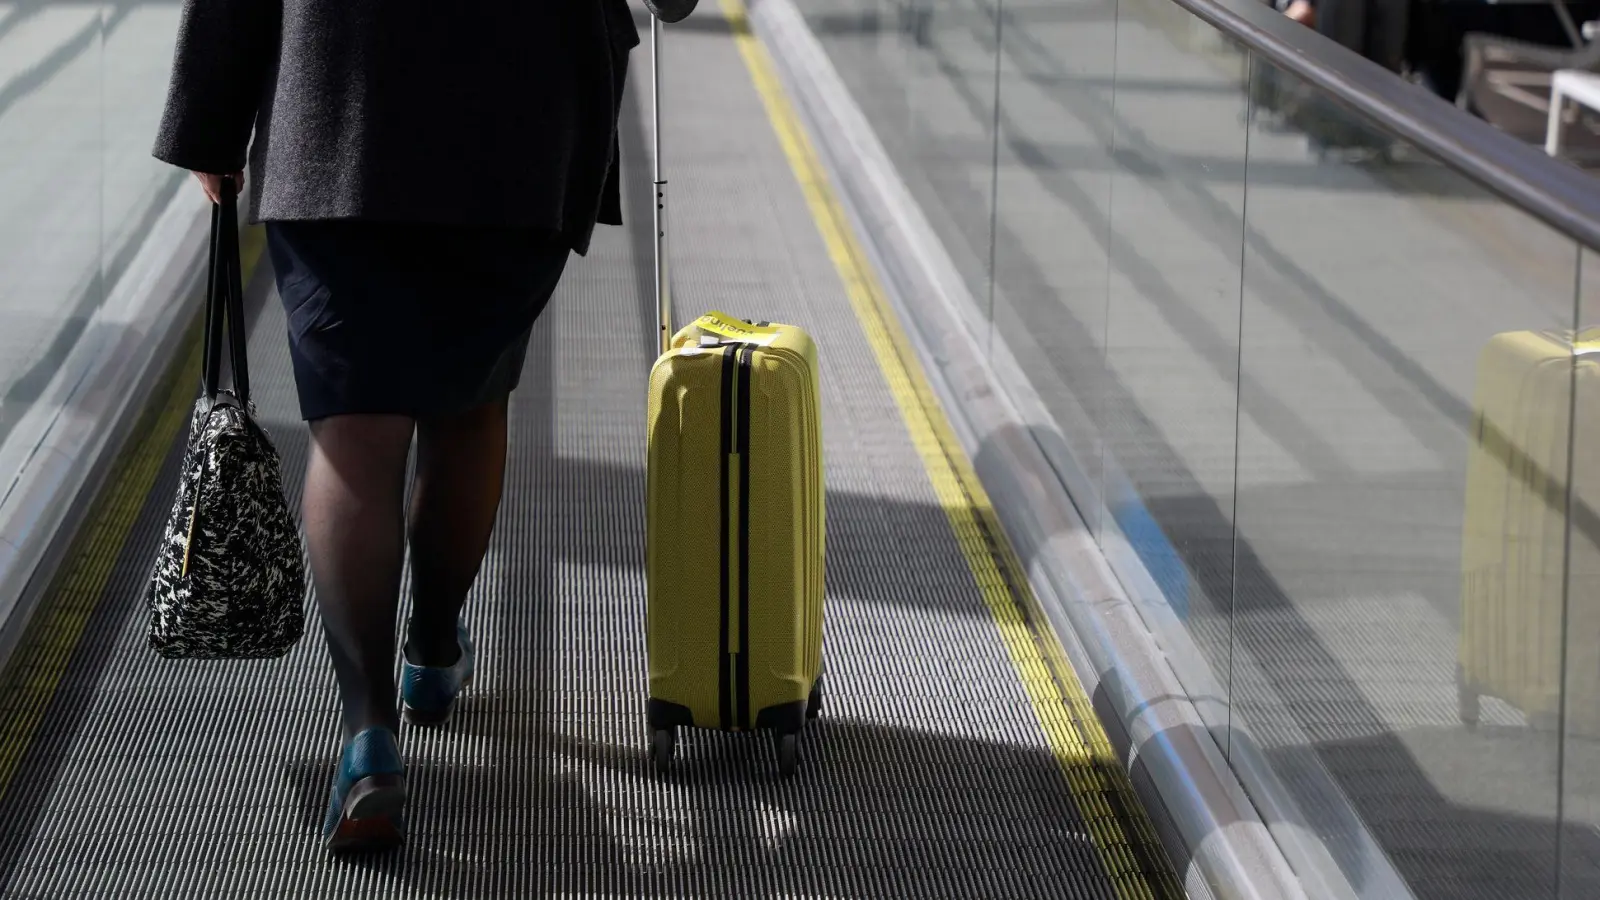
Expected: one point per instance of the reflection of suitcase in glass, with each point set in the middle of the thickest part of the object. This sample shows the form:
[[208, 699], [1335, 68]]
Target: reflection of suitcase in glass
[[1286, 102], [1376, 29], [1514, 540]]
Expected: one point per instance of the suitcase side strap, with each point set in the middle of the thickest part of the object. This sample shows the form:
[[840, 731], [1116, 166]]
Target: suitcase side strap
[[734, 580], [725, 701], [743, 355]]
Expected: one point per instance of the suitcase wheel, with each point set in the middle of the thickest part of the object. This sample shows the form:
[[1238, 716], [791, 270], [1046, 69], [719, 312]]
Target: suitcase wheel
[[788, 747], [663, 746], [814, 705]]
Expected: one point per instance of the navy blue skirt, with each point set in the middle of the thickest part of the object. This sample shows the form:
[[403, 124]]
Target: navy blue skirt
[[419, 321]]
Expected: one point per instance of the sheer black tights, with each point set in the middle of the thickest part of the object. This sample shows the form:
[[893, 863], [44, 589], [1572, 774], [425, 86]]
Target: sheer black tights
[[356, 531]]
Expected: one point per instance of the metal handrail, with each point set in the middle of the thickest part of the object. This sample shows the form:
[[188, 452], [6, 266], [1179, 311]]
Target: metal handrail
[[1561, 195]]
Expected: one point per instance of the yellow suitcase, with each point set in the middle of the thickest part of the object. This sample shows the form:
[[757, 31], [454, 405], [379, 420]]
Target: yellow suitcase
[[734, 523], [1516, 559]]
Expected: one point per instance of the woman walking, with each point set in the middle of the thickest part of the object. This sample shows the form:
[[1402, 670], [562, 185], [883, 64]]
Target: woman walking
[[423, 171]]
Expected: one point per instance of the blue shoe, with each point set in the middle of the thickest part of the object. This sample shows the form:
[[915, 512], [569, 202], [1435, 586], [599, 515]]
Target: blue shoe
[[367, 809], [430, 692]]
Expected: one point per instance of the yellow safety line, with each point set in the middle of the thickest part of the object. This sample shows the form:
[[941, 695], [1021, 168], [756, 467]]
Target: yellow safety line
[[31, 679], [1084, 754]]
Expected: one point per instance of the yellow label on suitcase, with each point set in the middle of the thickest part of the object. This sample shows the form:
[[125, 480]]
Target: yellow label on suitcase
[[724, 325]]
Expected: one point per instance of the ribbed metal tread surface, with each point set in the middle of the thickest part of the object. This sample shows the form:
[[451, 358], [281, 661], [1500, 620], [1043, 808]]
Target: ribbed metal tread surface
[[928, 775]]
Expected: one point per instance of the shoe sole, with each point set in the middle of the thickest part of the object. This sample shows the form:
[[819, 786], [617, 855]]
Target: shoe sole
[[370, 820], [414, 716]]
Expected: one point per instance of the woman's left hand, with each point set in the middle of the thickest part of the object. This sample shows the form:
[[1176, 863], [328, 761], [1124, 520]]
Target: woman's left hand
[[212, 184]]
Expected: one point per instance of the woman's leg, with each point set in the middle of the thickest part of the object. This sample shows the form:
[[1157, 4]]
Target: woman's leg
[[355, 531], [455, 497]]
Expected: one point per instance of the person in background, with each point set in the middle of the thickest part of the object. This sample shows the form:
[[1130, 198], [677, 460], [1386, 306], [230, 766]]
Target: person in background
[[423, 171], [1426, 37], [1437, 45]]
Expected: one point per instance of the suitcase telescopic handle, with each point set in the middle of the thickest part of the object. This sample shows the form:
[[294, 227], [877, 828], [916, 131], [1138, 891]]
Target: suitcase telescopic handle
[[663, 281]]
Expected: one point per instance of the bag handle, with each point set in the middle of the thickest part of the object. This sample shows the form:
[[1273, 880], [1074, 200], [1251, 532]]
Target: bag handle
[[663, 280], [225, 301]]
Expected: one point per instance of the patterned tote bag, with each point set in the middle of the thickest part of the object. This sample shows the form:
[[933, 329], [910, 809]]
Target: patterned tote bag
[[230, 579]]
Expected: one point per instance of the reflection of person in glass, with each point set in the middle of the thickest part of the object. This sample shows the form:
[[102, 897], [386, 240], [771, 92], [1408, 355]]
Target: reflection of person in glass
[[1375, 29], [424, 171]]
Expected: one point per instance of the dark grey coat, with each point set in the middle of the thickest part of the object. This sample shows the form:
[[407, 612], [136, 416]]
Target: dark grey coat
[[467, 112]]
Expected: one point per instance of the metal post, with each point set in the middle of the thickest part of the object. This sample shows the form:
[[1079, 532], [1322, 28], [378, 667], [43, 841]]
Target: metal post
[[663, 282]]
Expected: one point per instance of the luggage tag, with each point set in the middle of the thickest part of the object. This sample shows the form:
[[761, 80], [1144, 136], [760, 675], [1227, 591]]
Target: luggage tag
[[727, 328], [1587, 342]]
